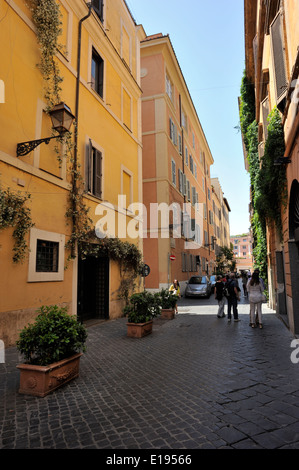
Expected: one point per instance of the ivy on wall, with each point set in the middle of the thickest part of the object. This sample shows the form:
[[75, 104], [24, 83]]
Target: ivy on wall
[[271, 185], [249, 129], [46, 16], [14, 213], [268, 181]]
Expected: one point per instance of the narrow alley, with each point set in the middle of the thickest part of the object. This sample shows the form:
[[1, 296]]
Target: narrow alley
[[197, 382]]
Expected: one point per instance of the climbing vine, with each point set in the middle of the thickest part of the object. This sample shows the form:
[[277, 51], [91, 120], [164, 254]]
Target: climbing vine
[[268, 181], [47, 19], [46, 16], [249, 128], [271, 183], [14, 213]]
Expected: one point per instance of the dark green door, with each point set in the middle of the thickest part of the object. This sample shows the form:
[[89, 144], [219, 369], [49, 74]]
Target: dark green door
[[93, 289]]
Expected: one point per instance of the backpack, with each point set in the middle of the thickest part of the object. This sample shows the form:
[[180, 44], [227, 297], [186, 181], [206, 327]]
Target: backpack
[[226, 291], [229, 290]]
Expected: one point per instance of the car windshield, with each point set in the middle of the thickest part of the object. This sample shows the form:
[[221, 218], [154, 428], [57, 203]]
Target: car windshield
[[198, 280]]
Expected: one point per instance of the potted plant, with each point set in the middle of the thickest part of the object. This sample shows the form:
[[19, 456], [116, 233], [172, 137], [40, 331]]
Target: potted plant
[[167, 301], [51, 347], [140, 311]]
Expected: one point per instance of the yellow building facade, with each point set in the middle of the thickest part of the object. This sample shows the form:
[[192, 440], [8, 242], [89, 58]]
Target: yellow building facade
[[99, 61], [221, 210]]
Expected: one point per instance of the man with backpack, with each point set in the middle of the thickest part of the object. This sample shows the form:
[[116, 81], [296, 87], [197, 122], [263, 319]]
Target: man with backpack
[[232, 294], [219, 295]]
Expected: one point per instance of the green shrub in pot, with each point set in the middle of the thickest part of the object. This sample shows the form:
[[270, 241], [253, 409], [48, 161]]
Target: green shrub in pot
[[55, 335]]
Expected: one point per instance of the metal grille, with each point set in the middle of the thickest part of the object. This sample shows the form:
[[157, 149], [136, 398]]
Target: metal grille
[[47, 256]]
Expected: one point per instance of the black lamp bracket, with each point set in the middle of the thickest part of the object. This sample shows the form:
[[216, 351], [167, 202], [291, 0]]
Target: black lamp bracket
[[282, 161], [26, 147]]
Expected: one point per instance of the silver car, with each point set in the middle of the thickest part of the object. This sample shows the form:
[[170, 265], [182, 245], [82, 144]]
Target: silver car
[[198, 286]]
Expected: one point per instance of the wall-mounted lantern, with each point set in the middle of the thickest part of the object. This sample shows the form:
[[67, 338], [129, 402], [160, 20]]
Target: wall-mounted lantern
[[62, 119]]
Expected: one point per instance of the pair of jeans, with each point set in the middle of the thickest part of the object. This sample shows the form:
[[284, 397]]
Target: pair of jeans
[[232, 303], [254, 306], [221, 304]]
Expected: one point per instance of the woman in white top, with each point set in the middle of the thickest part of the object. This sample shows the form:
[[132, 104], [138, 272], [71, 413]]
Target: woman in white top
[[255, 291]]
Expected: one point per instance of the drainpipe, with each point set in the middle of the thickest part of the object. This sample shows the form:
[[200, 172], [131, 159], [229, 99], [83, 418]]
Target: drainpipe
[[74, 188]]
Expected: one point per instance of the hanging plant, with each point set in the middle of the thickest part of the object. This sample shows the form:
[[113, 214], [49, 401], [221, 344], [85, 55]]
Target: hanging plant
[[46, 16], [14, 213]]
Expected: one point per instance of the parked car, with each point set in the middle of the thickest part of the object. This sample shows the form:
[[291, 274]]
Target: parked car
[[198, 286]]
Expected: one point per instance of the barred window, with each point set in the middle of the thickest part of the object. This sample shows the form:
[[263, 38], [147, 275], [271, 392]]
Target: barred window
[[47, 256]]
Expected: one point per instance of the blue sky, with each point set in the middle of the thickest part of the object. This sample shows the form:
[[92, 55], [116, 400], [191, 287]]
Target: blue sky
[[208, 38]]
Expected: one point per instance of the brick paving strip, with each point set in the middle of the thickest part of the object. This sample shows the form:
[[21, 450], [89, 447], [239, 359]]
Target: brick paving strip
[[196, 383]]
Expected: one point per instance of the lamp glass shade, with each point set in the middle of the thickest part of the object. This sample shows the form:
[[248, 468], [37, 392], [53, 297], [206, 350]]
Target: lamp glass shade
[[62, 118]]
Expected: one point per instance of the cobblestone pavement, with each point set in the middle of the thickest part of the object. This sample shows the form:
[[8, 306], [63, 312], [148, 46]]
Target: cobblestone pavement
[[197, 382]]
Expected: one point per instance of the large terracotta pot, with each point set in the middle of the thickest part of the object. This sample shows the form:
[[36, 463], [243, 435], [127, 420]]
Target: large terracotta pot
[[42, 380], [167, 313], [138, 330]]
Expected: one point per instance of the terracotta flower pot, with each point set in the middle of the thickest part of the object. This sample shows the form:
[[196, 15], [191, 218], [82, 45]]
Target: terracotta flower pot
[[138, 330], [42, 380], [167, 313]]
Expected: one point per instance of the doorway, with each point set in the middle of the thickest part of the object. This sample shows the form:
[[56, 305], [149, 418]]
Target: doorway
[[93, 289], [294, 250]]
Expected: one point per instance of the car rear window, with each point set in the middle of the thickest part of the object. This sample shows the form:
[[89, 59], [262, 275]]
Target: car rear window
[[198, 280]]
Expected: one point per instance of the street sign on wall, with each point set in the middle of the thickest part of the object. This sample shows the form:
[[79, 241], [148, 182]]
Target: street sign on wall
[[172, 258], [146, 270]]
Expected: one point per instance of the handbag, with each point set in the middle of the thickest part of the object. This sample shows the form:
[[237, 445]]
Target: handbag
[[257, 297]]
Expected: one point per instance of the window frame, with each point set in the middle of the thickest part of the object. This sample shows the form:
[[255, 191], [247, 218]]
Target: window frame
[[99, 12], [97, 82], [42, 276], [94, 171]]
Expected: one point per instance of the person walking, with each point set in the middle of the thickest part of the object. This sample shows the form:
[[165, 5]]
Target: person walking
[[232, 299], [244, 282], [219, 295], [255, 294], [175, 289], [263, 284]]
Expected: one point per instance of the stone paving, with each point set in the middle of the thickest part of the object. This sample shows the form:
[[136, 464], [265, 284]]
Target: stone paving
[[197, 382]]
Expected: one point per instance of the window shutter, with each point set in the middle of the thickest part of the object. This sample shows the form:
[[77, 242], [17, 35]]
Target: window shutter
[[184, 185], [98, 173], [173, 170], [255, 44], [88, 167], [180, 144], [279, 56], [265, 114]]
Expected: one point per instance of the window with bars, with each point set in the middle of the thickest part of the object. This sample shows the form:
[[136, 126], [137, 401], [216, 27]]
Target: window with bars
[[47, 255]]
